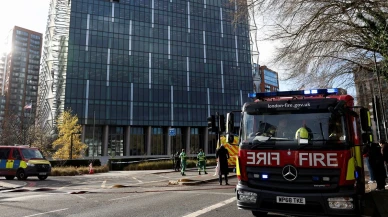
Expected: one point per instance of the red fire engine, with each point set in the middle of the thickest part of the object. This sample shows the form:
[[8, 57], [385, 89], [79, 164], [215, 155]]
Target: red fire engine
[[300, 153]]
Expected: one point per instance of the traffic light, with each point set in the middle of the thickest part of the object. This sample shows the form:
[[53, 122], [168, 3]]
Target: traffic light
[[211, 124], [221, 123]]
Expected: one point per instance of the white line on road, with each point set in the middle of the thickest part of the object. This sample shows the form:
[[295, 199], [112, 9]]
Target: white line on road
[[137, 180], [210, 208], [79, 196], [42, 213]]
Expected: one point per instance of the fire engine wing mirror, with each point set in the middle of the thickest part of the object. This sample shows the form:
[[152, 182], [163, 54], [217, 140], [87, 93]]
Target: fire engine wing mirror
[[365, 120], [366, 138], [229, 127]]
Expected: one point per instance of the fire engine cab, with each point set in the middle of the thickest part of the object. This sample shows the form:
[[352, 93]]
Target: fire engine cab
[[300, 153]]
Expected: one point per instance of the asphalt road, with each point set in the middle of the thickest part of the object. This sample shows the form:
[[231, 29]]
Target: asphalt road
[[120, 194], [190, 201]]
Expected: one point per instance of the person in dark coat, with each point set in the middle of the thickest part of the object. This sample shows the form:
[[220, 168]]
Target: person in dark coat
[[376, 162], [177, 162], [222, 154], [384, 151]]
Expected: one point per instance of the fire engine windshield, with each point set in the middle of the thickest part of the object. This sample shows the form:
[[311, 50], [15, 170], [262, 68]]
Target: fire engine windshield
[[289, 127]]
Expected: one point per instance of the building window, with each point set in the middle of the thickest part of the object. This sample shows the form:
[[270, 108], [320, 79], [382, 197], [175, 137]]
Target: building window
[[137, 142]]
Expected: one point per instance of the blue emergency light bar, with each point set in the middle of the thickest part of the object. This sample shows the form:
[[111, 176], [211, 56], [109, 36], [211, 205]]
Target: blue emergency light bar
[[330, 91]]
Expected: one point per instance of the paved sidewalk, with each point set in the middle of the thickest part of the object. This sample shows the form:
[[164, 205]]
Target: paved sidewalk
[[376, 202], [4, 185]]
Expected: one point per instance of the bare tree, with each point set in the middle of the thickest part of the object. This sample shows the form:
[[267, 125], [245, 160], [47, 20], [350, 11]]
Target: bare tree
[[323, 42]]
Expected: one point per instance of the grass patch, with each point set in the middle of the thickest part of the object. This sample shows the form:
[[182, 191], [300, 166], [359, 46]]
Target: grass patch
[[165, 164], [73, 171]]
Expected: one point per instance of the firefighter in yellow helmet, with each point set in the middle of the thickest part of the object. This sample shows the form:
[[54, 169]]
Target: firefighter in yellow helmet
[[302, 133]]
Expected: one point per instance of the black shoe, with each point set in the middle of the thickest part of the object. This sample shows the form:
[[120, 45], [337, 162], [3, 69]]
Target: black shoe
[[205, 172], [220, 183], [227, 184], [183, 174], [199, 173]]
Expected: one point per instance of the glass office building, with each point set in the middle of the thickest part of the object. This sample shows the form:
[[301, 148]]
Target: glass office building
[[143, 75], [264, 79]]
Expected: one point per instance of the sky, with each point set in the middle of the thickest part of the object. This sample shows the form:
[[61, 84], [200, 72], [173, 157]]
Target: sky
[[29, 14], [32, 14]]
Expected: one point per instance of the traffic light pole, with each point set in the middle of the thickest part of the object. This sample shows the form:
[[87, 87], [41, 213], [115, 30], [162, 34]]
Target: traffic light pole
[[218, 129]]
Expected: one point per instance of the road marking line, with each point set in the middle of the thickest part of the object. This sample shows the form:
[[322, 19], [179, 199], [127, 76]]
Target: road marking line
[[63, 187], [103, 184], [80, 196], [137, 180], [42, 213], [210, 208]]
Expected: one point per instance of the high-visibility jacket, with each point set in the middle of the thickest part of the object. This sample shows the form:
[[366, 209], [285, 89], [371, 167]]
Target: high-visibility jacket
[[183, 156], [201, 156], [302, 132]]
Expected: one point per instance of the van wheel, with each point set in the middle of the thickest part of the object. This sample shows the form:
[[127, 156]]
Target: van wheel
[[259, 214], [21, 174], [42, 177], [9, 177]]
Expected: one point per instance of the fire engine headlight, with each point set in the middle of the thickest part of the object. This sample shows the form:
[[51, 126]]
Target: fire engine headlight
[[30, 164], [246, 196], [340, 203]]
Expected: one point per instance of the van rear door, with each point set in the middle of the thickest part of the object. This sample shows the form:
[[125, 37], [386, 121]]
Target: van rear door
[[4, 160]]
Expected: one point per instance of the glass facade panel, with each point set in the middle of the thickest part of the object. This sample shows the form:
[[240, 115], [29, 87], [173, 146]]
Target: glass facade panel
[[169, 59], [137, 141], [270, 78]]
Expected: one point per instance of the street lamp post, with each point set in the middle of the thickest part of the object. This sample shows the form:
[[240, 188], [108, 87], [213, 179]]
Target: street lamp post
[[71, 145]]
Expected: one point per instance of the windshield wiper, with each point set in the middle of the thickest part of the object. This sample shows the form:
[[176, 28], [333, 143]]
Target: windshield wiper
[[320, 125]]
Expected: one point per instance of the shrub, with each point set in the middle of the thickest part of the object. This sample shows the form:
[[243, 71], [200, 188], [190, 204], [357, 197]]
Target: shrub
[[72, 171]]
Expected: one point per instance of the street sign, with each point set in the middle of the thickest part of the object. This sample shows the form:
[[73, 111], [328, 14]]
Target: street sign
[[172, 132]]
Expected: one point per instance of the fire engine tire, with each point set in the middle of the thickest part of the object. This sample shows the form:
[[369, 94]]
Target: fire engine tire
[[259, 214], [21, 174], [42, 177], [9, 177]]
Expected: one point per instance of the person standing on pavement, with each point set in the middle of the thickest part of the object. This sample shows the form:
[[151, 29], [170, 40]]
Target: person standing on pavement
[[376, 162], [371, 175], [183, 162], [201, 162], [177, 162], [223, 155], [384, 152]]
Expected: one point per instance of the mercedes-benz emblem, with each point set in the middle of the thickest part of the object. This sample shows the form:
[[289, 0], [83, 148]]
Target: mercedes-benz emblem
[[289, 173]]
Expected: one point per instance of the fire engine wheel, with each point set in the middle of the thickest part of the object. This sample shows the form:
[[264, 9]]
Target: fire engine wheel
[[21, 174], [9, 177], [259, 214], [42, 177]]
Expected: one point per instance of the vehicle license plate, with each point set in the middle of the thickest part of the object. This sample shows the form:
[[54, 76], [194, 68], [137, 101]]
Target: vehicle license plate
[[290, 200], [42, 174]]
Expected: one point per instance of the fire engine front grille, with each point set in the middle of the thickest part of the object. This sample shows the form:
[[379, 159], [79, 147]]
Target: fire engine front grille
[[42, 167], [306, 180]]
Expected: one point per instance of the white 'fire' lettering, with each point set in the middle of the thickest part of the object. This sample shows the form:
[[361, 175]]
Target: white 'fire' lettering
[[264, 158], [250, 157], [319, 159]]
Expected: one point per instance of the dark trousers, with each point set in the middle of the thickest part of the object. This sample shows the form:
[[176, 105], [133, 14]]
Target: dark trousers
[[220, 178], [177, 165], [380, 174]]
